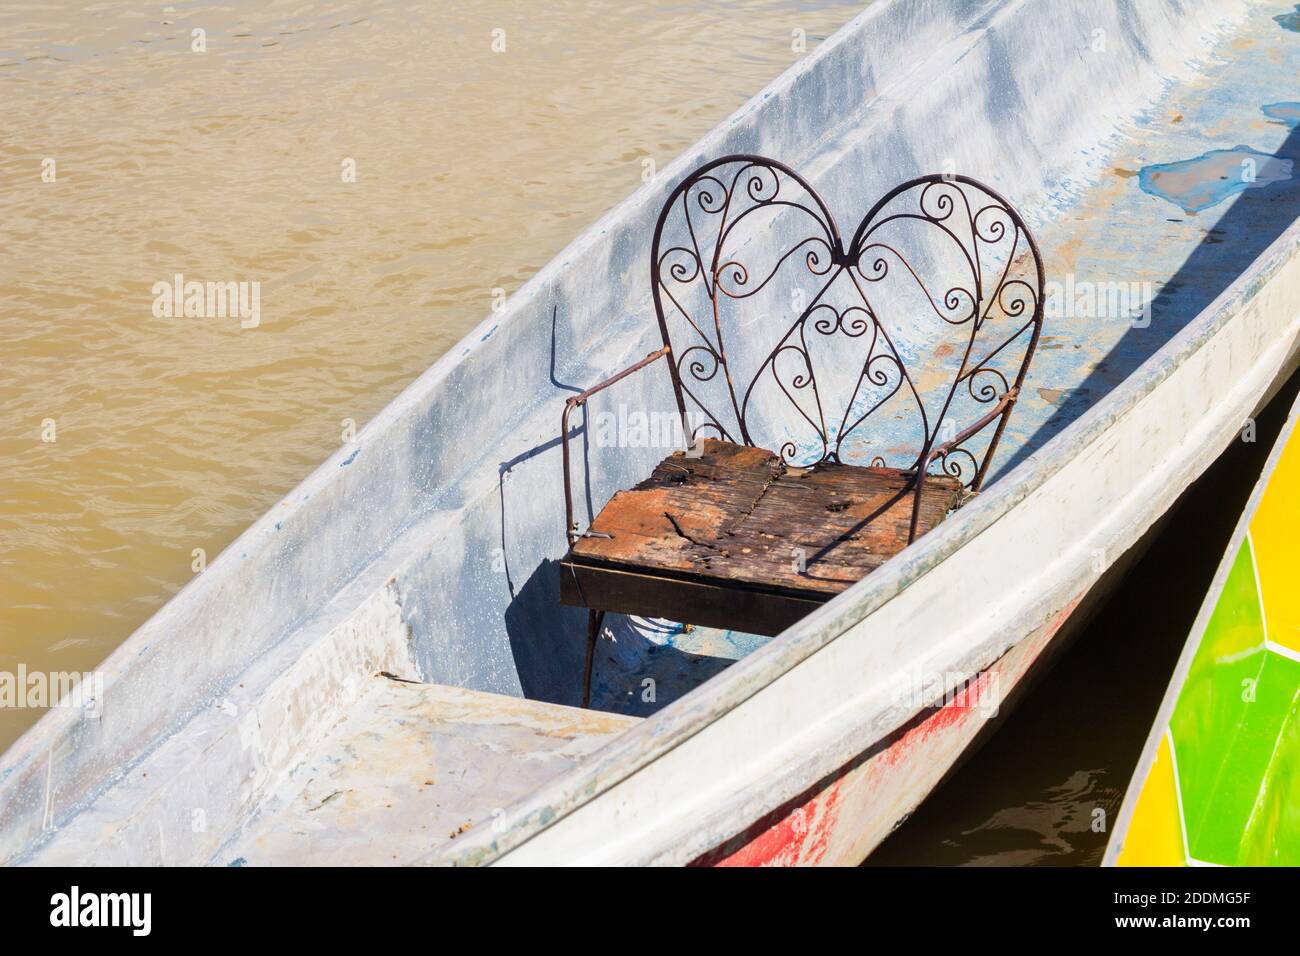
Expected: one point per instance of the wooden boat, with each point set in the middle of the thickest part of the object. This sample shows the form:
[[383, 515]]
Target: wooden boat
[[1219, 779], [379, 670]]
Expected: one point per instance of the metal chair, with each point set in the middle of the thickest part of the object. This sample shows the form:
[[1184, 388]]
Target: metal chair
[[923, 324]]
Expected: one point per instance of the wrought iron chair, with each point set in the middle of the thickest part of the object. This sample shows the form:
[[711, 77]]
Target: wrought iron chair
[[729, 534]]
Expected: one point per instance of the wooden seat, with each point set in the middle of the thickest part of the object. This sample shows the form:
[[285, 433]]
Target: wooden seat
[[734, 538]]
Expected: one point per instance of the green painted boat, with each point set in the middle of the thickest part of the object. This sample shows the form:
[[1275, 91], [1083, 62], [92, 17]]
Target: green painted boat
[[1219, 779]]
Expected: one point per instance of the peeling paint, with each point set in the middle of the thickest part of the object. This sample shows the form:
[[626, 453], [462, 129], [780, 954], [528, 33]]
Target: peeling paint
[[1288, 113], [1213, 177]]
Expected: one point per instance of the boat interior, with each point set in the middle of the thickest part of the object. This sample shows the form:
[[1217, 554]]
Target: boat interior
[[439, 684]]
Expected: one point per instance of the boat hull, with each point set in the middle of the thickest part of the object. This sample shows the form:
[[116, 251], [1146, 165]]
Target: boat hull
[[842, 818]]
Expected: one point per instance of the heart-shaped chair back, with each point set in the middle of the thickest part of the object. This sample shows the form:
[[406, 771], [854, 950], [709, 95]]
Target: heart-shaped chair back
[[874, 351]]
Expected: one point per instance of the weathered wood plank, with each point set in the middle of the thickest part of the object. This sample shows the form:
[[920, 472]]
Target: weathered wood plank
[[737, 517]]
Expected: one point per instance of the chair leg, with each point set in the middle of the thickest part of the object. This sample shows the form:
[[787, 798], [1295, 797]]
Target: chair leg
[[594, 620]]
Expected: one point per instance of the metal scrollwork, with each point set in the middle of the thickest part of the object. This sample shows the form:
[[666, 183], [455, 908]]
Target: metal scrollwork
[[962, 254]]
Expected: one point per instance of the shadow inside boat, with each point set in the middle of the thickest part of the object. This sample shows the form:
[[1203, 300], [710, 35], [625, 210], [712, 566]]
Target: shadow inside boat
[[638, 669], [1256, 218]]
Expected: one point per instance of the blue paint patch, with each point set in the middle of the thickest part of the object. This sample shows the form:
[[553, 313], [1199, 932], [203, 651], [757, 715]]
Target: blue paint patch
[[277, 526], [1289, 21], [238, 861], [1209, 179], [350, 459], [1288, 113], [488, 334]]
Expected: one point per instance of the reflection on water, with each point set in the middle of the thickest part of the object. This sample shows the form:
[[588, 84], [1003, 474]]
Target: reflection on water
[[378, 172], [1040, 831], [1046, 786]]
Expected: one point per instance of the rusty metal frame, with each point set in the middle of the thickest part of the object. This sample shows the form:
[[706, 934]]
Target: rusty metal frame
[[570, 529]]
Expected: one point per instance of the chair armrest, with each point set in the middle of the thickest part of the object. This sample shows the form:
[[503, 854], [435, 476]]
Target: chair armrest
[[581, 399], [940, 450], [937, 451]]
